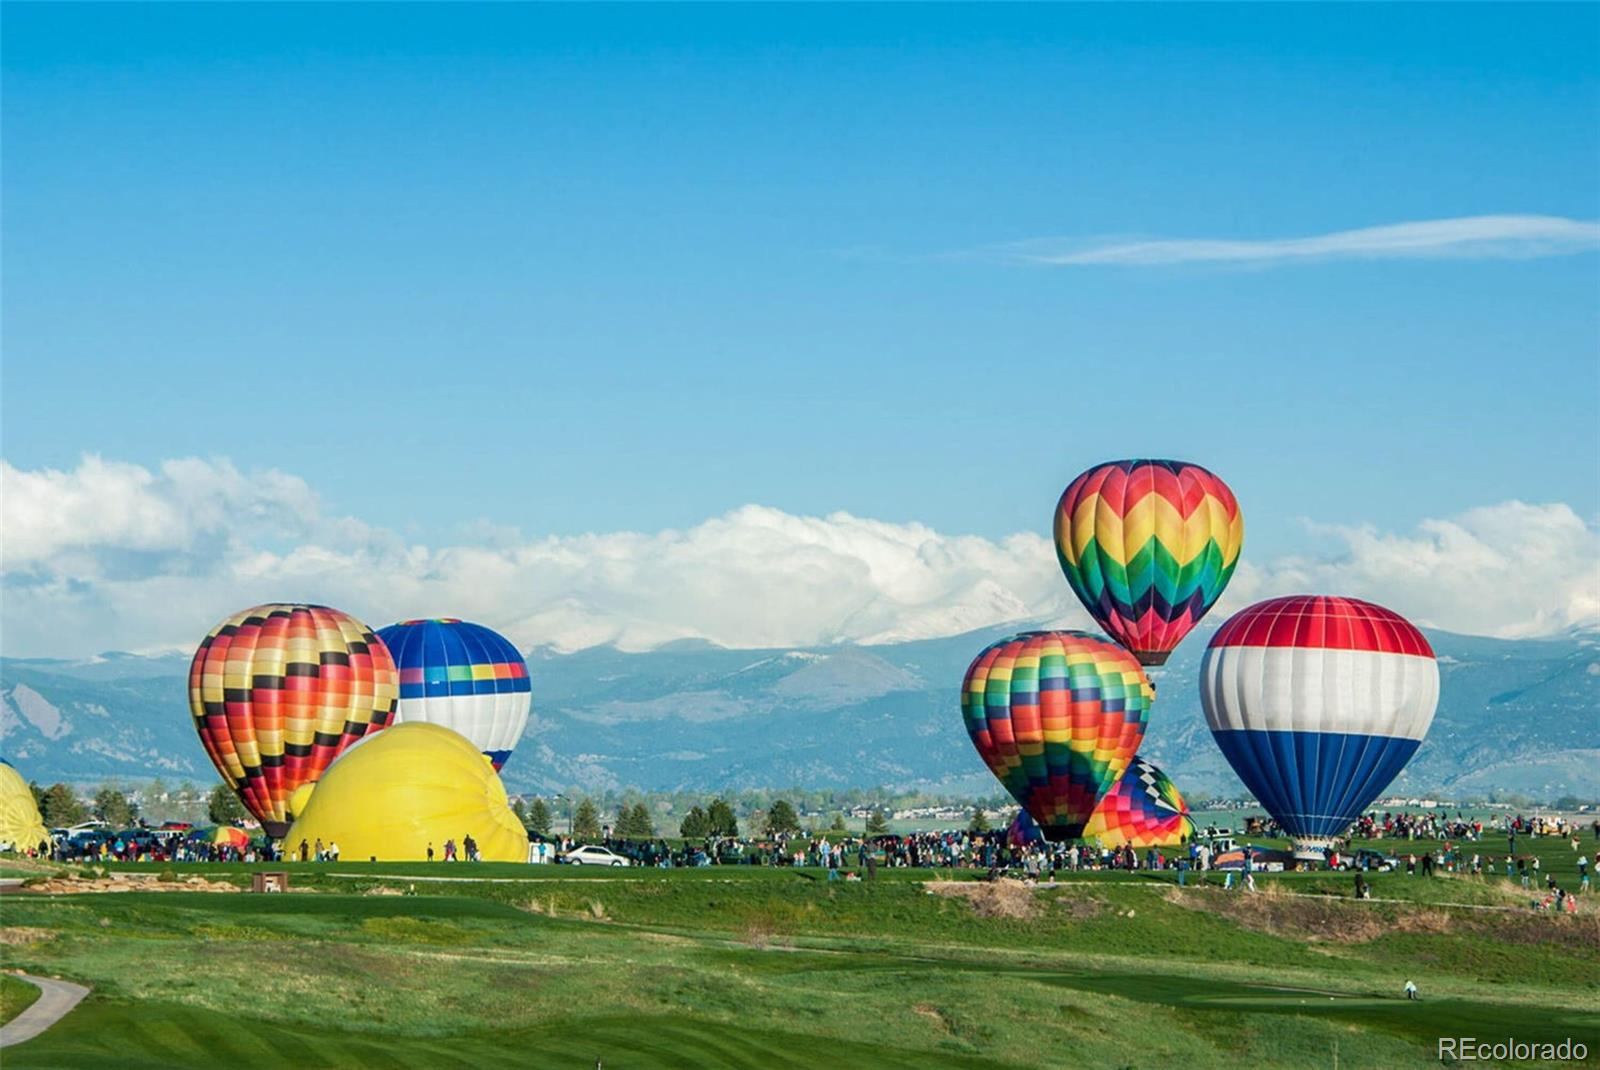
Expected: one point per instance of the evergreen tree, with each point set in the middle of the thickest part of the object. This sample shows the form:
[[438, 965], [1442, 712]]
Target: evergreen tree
[[695, 824], [62, 807], [782, 818], [838, 824], [521, 811], [539, 817], [223, 806], [644, 827], [623, 826], [720, 820], [877, 823], [114, 807], [979, 822], [38, 794], [586, 821], [186, 802]]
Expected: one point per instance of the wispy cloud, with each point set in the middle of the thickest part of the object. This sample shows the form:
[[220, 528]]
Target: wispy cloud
[[1483, 237]]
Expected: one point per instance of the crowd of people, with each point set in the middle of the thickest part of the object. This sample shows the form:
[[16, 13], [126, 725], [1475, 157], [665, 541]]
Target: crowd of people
[[1456, 850]]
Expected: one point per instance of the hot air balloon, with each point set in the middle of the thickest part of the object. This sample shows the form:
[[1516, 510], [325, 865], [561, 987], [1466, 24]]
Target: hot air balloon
[[1148, 546], [1317, 702], [278, 691], [1057, 717], [1145, 809], [462, 676], [1023, 831], [21, 827], [389, 796]]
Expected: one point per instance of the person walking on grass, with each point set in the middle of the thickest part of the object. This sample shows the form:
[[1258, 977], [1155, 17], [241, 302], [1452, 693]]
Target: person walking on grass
[[470, 845], [1411, 990], [430, 851]]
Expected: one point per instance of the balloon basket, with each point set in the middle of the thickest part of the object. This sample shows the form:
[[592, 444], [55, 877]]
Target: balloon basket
[[1312, 850]]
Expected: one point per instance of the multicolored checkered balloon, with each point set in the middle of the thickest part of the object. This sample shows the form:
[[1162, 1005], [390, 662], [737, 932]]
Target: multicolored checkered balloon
[[1148, 546], [1057, 717], [1145, 809], [465, 677], [278, 691]]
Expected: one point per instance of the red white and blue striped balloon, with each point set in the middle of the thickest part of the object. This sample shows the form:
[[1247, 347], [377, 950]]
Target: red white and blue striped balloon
[[465, 677], [1318, 702]]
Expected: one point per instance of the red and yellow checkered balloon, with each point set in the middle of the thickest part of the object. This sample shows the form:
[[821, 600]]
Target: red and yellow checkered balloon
[[278, 691]]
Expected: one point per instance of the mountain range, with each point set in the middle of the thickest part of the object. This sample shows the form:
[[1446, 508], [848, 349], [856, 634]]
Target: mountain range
[[1515, 716]]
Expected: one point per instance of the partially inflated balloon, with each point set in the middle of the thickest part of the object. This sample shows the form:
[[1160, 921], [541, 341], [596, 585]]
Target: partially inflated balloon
[[465, 677], [1148, 546], [278, 691], [1145, 809], [1023, 831], [21, 827], [1318, 702], [1057, 717], [390, 796]]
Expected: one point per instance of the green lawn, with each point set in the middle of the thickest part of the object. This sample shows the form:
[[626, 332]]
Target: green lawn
[[15, 997], [754, 967]]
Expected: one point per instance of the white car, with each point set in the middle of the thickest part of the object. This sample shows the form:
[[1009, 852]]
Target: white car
[[594, 856]]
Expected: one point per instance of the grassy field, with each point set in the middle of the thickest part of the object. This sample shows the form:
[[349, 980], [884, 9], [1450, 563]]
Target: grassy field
[[15, 997], [507, 965]]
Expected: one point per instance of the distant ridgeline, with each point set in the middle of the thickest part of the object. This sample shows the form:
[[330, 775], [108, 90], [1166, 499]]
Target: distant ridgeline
[[695, 716]]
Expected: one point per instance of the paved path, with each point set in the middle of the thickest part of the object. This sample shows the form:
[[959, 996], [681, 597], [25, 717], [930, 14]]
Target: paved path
[[56, 998]]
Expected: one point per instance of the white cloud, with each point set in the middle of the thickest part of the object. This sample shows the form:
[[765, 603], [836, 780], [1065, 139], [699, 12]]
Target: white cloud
[[1511, 570], [1484, 237], [114, 556]]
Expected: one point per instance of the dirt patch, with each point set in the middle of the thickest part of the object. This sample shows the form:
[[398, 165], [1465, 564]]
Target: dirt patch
[[1282, 915], [1004, 898], [1078, 909], [931, 1013], [124, 882], [22, 935], [1337, 921]]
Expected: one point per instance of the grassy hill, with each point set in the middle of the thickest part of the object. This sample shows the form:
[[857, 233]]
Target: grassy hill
[[505, 965]]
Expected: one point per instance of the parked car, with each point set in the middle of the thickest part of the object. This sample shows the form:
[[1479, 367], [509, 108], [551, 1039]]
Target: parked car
[[1368, 859], [87, 826], [80, 841], [594, 856]]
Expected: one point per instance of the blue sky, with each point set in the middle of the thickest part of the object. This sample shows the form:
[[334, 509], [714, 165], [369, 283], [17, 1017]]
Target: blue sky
[[596, 269]]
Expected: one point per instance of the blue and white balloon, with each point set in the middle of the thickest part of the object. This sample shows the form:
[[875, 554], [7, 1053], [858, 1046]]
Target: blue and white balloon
[[465, 677]]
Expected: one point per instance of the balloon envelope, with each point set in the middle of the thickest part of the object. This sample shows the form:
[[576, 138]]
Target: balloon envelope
[[409, 786], [21, 827], [1145, 809], [1147, 547], [1057, 717], [1023, 831], [279, 690], [1318, 702], [466, 677]]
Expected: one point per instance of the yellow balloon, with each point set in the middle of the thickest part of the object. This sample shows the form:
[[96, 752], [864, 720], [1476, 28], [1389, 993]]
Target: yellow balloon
[[393, 794], [21, 827]]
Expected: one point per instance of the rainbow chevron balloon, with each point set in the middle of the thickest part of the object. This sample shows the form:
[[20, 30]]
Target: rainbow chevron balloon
[[1057, 717], [1145, 809], [1148, 546]]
